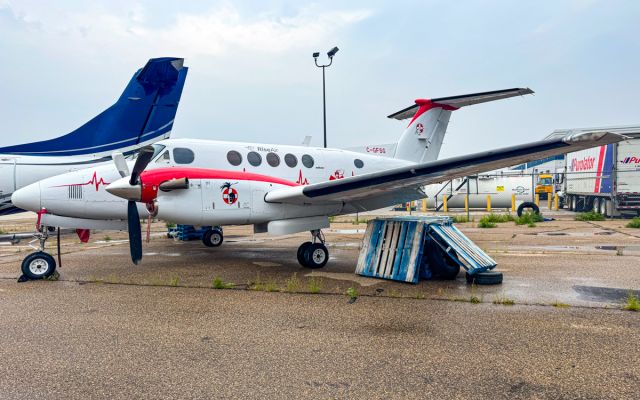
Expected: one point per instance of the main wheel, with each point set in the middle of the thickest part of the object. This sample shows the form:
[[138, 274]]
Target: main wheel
[[213, 238], [301, 250], [38, 265], [316, 256]]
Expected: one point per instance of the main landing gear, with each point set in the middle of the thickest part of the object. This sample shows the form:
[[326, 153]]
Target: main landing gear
[[38, 265], [313, 254], [213, 237]]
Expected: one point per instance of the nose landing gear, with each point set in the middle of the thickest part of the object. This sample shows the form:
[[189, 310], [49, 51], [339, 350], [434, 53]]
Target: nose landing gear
[[38, 265], [313, 254]]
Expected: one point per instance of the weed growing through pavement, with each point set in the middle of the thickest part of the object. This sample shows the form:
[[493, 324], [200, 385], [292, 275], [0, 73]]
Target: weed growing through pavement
[[502, 299], [315, 285], [590, 216], [293, 284], [558, 304], [353, 293], [271, 286], [459, 219], [107, 238], [634, 223], [633, 303], [257, 284], [529, 219], [220, 284], [175, 281], [475, 300]]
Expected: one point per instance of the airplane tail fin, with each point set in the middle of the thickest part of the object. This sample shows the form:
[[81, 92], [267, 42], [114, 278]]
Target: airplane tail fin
[[422, 139], [143, 114]]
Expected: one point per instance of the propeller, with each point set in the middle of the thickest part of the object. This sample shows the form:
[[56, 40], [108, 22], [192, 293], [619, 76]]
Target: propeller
[[145, 155]]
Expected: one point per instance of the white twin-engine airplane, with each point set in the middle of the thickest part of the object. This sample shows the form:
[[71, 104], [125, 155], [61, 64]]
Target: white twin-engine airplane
[[279, 189], [142, 115]]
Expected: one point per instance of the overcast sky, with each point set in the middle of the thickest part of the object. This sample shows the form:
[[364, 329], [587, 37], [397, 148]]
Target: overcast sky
[[252, 77]]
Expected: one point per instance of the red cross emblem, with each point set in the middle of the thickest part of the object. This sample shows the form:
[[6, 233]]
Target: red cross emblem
[[230, 195], [419, 128]]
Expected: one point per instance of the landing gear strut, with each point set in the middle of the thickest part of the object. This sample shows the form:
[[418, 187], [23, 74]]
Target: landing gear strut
[[313, 254], [38, 265]]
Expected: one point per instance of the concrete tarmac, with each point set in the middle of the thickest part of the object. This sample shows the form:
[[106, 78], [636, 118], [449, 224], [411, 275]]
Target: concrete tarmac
[[108, 329]]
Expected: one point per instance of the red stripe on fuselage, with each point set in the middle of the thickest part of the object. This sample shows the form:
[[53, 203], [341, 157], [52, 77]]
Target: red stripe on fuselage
[[152, 178], [599, 170]]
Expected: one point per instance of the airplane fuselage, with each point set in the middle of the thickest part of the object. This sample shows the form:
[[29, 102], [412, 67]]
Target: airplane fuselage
[[226, 195]]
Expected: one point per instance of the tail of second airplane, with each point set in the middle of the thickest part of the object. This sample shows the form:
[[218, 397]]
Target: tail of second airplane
[[144, 113], [422, 139]]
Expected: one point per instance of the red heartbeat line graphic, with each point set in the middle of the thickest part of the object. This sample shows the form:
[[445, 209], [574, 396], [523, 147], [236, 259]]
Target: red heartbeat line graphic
[[94, 181]]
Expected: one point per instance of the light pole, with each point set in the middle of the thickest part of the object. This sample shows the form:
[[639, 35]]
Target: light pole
[[331, 53]]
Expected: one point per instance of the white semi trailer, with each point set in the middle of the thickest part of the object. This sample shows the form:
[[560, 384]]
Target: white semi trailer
[[605, 179]]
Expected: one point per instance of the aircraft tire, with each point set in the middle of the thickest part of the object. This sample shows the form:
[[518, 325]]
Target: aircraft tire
[[316, 256], [528, 204], [213, 238], [38, 265], [485, 278], [301, 250], [442, 266]]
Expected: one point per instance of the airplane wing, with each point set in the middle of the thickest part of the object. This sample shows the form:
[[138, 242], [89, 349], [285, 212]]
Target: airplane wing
[[380, 189]]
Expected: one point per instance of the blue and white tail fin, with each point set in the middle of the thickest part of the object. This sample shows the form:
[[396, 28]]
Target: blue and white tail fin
[[422, 139], [143, 114]]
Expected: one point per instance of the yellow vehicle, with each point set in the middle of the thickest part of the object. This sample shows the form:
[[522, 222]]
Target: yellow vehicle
[[544, 187]]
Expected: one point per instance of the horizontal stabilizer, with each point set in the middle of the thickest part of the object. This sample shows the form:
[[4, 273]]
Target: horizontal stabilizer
[[455, 102]]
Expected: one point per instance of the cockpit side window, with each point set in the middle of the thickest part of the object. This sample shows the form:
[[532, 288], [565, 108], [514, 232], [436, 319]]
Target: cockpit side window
[[157, 148], [164, 157], [182, 155]]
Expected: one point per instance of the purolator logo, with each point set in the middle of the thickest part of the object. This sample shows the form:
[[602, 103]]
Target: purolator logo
[[582, 165], [631, 160]]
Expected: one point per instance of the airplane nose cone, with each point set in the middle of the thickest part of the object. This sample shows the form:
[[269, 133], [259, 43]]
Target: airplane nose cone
[[28, 197], [123, 189]]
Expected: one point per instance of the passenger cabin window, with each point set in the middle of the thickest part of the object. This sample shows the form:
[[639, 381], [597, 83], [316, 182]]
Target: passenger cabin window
[[234, 158], [307, 161], [290, 160], [254, 158], [273, 159], [358, 163], [183, 155], [165, 158]]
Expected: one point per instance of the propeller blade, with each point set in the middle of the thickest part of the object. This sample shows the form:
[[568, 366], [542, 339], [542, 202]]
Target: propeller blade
[[121, 164], [135, 236], [145, 155]]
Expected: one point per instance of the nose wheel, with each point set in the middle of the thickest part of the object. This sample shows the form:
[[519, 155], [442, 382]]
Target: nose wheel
[[38, 265], [313, 254]]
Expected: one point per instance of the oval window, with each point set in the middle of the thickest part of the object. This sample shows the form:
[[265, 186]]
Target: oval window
[[234, 158], [290, 160], [358, 163], [254, 158], [183, 155], [273, 159], [307, 161]]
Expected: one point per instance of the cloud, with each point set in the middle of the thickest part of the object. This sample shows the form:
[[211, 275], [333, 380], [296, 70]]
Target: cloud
[[213, 32]]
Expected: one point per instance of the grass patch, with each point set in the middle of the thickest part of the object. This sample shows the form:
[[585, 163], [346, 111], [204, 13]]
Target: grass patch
[[459, 219], [293, 284], [475, 300], [2, 232], [589, 216], [257, 284], [633, 303], [220, 284], [170, 225], [271, 286], [107, 238], [634, 223], [498, 218], [353, 293], [558, 304], [175, 281], [529, 219], [315, 285], [503, 300], [486, 224]]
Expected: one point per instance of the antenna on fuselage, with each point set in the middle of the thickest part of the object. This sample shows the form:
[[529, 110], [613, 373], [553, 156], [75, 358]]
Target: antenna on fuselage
[[306, 141]]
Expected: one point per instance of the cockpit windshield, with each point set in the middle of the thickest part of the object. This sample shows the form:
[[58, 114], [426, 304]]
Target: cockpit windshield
[[157, 149]]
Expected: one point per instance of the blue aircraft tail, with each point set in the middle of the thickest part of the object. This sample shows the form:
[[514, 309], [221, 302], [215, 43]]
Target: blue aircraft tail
[[145, 111]]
